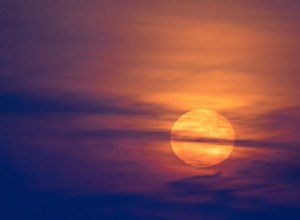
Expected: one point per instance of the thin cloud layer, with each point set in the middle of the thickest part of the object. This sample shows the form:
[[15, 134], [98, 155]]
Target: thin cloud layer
[[29, 104]]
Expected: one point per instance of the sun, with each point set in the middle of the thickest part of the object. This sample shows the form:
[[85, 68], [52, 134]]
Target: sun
[[202, 138]]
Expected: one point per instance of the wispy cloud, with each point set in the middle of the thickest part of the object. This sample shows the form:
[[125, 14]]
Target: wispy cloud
[[16, 103]]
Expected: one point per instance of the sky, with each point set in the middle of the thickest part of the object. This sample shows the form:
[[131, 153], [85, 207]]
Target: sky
[[90, 90]]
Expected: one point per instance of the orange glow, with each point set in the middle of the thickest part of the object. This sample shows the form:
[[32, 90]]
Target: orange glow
[[202, 138]]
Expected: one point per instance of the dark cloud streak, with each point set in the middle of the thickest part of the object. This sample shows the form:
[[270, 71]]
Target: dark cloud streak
[[27, 104], [165, 135]]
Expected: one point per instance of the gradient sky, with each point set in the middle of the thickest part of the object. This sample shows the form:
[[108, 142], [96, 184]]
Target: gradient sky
[[89, 91]]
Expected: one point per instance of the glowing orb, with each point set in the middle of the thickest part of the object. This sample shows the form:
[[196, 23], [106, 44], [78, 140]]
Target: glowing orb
[[202, 138]]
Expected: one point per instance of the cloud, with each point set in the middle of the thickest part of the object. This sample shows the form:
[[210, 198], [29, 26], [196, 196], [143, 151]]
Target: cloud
[[265, 144], [274, 124], [117, 206], [26, 104], [240, 195], [45, 144], [119, 134], [16, 103], [156, 134]]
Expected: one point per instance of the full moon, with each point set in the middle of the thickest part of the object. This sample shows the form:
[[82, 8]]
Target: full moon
[[202, 138]]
